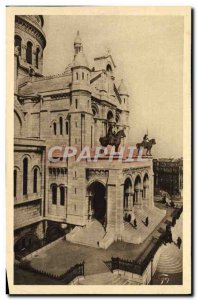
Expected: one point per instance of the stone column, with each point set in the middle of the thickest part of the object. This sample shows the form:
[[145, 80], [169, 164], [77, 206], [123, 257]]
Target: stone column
[[23, 52], [34, 58], [151, 191], [140, 197], [130, 200]]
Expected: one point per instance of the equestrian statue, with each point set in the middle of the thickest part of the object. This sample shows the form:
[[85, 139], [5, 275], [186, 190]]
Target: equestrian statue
[[146, 144], [112, 138]]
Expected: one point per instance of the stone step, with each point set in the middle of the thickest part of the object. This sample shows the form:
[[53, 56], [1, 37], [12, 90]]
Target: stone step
[[88, 235]]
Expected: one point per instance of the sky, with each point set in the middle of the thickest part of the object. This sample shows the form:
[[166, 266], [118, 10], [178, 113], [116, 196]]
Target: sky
[[148, 53]]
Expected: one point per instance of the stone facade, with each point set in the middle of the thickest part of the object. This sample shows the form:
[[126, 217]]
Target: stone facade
[[169, 176], [73, 108]]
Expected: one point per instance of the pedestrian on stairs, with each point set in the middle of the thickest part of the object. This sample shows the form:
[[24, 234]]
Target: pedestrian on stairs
[[179, 242], [146, 221]]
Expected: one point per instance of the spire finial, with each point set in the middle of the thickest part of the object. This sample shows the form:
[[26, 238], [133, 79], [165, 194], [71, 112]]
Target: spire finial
[[78, 43]]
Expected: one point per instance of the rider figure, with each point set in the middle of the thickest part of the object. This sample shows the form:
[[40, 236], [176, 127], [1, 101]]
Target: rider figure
[[145, 140]]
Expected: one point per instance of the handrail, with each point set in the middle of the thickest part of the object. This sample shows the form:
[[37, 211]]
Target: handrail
[[66, 277]]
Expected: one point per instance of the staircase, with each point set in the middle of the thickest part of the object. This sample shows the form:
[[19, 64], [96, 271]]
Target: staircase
[[88, 235], [106, 279], [141, 232], [177, 230], [170, 260]]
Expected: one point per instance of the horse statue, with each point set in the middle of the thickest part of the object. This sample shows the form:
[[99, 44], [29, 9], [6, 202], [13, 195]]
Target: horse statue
[[146, 145], [112, 139]]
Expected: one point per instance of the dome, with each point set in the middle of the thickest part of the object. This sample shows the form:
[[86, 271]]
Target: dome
[[78, 39], [122, 89], [80, 60]]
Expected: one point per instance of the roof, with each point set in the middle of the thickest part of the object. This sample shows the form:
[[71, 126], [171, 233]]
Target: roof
[[122, 88], [78, 39], [80, 60], [47, 84]]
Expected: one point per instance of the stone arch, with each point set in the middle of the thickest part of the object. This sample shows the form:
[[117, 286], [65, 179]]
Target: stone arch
[[26, 244], [110, 116], [137, 189], [145, 194], [94, 180], [62, 193], [109, 68], [127, 193], [54, 193], [95, 109], [53, 232], [29, 52], [36, 179], [97, 202], [18, 42]]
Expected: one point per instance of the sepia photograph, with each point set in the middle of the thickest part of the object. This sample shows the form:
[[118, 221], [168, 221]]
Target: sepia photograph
[[100, 104]]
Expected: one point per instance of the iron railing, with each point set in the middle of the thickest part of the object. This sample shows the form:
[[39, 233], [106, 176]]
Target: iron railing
[[65, 278]]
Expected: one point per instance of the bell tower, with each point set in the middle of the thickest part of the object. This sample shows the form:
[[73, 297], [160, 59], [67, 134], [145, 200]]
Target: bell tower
[[80, 110], [78, 44]]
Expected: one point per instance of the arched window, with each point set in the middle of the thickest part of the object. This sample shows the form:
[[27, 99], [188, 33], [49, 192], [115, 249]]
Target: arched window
[[29, 53], [17, 43], [67, 128], [109, 68], [54, 194], [37, 57], [77, 76], [54, 128], [83, 75], [15, 183], [62, 195], [61, 125], [35, 182], [25, 175], [76, 103]]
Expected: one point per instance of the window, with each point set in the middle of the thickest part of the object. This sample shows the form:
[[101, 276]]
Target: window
[[25, 175], [76, 124], [54, 194], [67, 128], [77, 76], [76, 103], [35, 183], [29, 53], [37, 57], [15, 183], [61, 125], [62, 195], [17, 43], [75, 190], [54, 129], [83, 75]]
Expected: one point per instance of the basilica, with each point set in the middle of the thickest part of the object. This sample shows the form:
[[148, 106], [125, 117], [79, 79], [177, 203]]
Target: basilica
[[90, 203]]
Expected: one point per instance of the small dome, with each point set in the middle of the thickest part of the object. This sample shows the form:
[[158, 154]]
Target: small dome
[[80, 60], [122, 89], [78, 39]]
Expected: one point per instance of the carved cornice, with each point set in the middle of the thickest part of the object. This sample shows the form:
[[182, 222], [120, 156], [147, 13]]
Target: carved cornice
[[96, 173], [24, 23], [131, 170]]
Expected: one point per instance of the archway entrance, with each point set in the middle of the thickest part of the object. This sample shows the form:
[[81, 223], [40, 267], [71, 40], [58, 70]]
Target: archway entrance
[[97, 202]]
